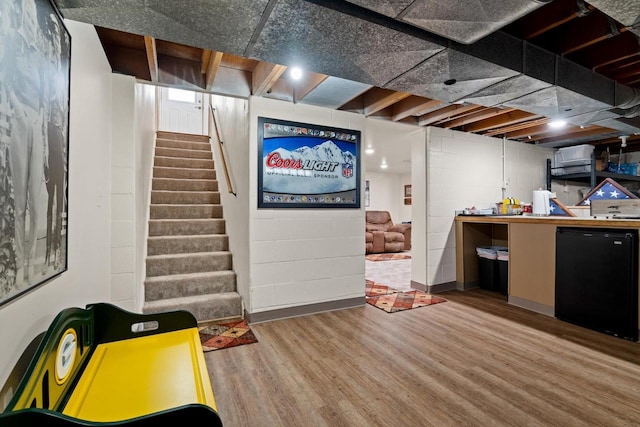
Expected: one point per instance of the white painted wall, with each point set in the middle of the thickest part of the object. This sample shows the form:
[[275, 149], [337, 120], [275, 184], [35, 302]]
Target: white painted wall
[[302, 256], [123, 186], [420, 196], [387, 194], [145, 138], [465, 170], [89, 254], [233, 116]]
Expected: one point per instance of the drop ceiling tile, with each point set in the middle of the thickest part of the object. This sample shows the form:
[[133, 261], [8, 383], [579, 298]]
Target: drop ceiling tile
[[626, 127], [330, 42], [505, 91], [224, 25], [471, 74], [334, 92], [592, 117], [626, 12], [556, 102], [391, 8], [466, 21]]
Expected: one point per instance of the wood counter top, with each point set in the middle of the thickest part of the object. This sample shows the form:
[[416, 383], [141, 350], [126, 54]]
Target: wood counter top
[[551, 220]]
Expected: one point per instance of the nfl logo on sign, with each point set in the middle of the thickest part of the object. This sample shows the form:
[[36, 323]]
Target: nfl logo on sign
[[347, 170]]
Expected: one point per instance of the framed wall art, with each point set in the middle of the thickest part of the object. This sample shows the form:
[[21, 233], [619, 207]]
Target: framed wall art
[[35, 53], [303, 165]]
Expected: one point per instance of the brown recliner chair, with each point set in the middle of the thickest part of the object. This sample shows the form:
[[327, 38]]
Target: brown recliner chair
[[382, 235]]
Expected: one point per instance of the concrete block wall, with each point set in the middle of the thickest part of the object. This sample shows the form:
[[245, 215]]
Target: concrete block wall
[[303, 256], [465, 170]]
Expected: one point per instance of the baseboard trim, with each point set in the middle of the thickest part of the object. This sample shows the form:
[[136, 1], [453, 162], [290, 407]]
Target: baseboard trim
[[441, 287], [532, 306], [419, 286], [466, 286], [303, 310]]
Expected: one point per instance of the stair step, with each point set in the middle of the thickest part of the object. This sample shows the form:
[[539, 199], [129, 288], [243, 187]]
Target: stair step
[[178, 162], [164, 265], [166, 211], [183, 153], [184, 184], [182, 227], [183, 173], [184, 197], [182, 136], [182, 285], [169, 143], [159, 245], [203, 307]]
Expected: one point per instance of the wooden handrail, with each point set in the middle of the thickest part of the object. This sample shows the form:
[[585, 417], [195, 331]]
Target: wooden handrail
[[222, 153]]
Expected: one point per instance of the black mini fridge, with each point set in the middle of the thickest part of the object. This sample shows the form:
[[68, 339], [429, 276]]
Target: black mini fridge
[[597, 279]]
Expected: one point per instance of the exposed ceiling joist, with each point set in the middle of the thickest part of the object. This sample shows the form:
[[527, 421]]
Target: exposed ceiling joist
[[476, 117], [152, 57], [504, 130], [378, 99], [500, 121], [264, 76], [215, 58], [444, 113], [411, 106]]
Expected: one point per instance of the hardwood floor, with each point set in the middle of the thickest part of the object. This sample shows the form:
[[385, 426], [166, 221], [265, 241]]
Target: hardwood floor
[[471, 361]]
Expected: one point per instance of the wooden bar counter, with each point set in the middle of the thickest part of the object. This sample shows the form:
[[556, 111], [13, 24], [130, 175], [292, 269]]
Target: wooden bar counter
[[532, 252]]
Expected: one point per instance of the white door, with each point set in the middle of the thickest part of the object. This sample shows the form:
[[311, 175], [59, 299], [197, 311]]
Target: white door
[[181, 111]]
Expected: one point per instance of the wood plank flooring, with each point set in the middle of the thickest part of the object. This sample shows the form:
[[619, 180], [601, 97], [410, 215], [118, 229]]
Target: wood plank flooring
[[471, 361]]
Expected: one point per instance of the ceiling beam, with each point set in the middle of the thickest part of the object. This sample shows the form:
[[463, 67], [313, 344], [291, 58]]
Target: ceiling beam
[[411, 106], [575, 133], [548, 17], [376, 99], [212, 69], [445, 113], [475, 117], [308, 83], [517, 126], [152, 57], [204, 61], [264, 76], [500, 121], [607, 52], [591, 29]]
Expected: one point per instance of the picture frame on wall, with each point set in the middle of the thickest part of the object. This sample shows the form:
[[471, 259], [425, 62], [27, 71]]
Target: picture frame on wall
[[302, 165], [407, 194], [35, 55]]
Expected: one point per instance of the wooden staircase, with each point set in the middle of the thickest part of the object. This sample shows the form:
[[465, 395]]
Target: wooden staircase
[[188, 263]]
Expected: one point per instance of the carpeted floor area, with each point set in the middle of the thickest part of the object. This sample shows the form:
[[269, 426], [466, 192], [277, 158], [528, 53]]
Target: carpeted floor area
[[395, 273]]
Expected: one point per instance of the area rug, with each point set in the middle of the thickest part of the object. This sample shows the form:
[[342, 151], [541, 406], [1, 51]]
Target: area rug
[[373, 289], [401, 301], [386, 257], [217, 336]]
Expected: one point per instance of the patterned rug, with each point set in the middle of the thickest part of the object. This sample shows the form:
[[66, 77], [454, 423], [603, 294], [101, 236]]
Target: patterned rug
[[392, 300], [216, 336], [373, 289], [386, 257]]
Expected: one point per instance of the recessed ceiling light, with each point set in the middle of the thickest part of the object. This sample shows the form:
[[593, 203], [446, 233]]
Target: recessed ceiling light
[[369, 150], [557, 124], [296, 73], [383, 166]]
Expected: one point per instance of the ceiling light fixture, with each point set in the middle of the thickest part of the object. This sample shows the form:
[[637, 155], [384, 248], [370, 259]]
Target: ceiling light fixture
[[296, 73], [384, 166], [557, 124], [369, 150]]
